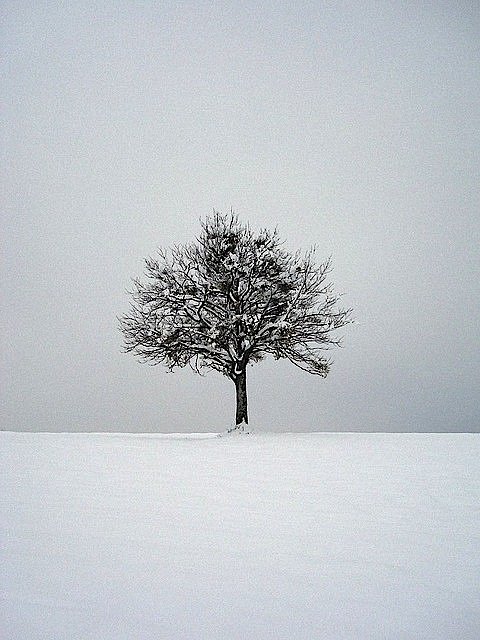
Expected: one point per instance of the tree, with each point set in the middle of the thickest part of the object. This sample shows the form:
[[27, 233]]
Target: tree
[[230, 298]]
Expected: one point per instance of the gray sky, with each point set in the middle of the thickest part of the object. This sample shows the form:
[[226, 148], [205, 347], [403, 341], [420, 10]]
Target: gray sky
[[350, 125]]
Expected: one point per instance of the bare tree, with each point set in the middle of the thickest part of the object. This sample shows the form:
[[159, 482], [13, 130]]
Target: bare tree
[[229, 299]]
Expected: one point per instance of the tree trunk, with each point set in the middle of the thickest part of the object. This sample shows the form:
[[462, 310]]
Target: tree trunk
[[241, 416]]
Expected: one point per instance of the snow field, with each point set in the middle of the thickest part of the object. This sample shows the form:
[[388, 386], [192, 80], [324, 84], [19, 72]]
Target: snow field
[[274, 536]]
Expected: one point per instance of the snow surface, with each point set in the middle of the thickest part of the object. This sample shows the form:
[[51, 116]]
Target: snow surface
[[280, 536]]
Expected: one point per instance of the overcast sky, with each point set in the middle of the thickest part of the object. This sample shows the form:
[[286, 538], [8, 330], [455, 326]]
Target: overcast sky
[[350, 125]]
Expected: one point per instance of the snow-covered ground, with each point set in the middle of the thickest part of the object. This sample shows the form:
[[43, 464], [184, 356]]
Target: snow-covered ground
[[280, 536]]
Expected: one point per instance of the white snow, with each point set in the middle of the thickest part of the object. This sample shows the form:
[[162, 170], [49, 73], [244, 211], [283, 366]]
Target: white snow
[[281, 537]]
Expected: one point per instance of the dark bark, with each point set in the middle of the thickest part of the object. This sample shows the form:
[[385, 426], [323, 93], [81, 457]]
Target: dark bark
[[241, 415]]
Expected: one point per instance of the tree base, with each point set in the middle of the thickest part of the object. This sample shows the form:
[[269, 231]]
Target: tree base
[[240, 429]]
